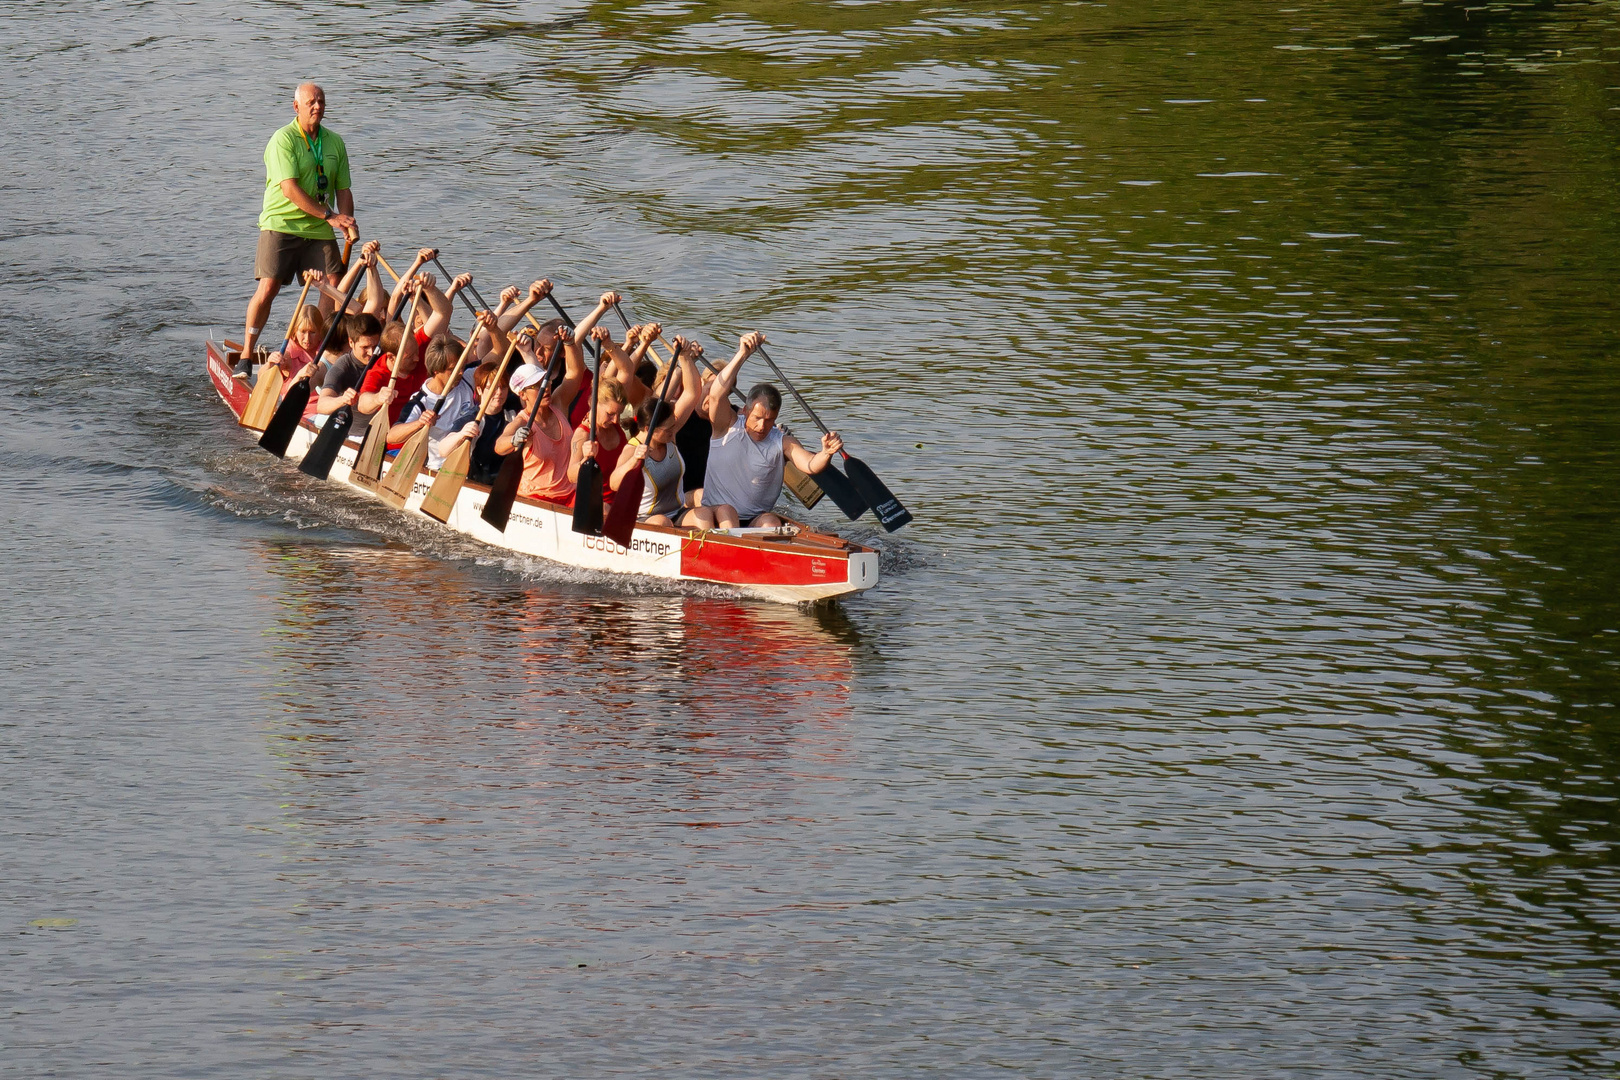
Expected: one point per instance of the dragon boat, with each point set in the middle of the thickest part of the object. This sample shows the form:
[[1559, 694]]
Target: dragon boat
[[793, 565]]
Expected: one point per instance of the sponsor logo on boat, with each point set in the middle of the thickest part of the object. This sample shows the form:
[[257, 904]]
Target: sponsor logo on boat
[[639, 545]]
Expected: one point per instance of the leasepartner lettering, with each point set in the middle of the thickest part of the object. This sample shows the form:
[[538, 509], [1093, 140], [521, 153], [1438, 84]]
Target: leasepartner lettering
[[639, 545]]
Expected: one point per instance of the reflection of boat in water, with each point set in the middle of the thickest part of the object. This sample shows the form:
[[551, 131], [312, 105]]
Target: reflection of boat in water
[[807, 566], [725, 672]]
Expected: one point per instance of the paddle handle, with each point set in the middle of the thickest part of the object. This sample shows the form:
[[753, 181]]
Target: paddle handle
[[348, 246]]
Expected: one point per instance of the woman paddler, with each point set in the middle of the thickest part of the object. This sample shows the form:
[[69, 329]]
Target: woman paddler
[[547, 445], [654, 450]]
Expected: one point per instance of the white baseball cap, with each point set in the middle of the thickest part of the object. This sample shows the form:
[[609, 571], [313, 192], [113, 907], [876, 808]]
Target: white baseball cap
[[525, 376]]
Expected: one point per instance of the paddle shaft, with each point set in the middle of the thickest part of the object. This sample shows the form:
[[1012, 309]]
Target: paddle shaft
[[803, 404], [455, 372], [331, 331], [885, 507], [500, 372], [663, 396], [326, 445], [393, 369]]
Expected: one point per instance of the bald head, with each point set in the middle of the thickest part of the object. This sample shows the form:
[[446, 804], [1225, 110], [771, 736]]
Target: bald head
[[309, 104]]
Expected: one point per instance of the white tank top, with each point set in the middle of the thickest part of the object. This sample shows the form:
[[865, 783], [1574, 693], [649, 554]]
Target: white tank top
[[664, 491], [744, 473]]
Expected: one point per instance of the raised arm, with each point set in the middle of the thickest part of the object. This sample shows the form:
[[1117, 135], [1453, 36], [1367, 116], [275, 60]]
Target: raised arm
[[721, 412], [640, 339], [402, 286], [804, 459], [357, 266], [538, 291], [376, 300], [438, 320], [574, 373], [691, 391], [585, 324], [619, 367]]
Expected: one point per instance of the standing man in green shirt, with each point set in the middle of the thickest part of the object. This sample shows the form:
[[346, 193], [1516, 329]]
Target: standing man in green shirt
[[306, 168]]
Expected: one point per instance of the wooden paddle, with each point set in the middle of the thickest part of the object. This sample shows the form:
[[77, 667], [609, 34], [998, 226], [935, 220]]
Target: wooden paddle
[[368, 462], [413, 455], [588, 481], [267, 391], [620, 523], [885, 507], [503, 492], [441, 497], [290, 413], [395, 488]]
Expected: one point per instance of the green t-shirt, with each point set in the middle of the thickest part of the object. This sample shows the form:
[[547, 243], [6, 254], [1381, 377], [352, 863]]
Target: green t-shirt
[[289, 156]]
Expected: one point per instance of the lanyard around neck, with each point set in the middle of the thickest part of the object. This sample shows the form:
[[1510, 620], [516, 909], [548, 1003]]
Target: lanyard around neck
[[315, 147]]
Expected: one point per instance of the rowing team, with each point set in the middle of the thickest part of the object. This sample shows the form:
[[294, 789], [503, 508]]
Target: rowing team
[[704, 463]]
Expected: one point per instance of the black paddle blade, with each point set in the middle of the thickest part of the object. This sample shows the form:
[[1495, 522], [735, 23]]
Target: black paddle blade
[[279, 432], [885, 507], [841, 491], [324, 450], [503, 492], [620, 523], [588, 499]]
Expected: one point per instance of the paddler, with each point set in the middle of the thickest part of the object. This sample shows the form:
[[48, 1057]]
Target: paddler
[[744, 475], [306, 172], [653, 449]]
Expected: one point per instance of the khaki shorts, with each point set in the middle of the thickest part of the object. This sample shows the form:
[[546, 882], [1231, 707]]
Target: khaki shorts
[[282, 256]]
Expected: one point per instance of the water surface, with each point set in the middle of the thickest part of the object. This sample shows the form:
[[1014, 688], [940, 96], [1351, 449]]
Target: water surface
[[1242, 701]]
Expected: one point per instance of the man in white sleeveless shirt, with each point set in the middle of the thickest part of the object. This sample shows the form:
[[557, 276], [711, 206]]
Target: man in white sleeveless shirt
[[744, 477]]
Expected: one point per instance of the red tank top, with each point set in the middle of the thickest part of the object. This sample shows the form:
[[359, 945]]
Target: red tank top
[[606, 459]]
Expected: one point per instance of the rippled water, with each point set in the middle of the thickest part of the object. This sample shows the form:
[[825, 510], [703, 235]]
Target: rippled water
[[1242, 701]]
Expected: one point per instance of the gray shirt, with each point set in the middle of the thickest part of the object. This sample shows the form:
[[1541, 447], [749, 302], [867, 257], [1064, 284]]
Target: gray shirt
[[346, 373]]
